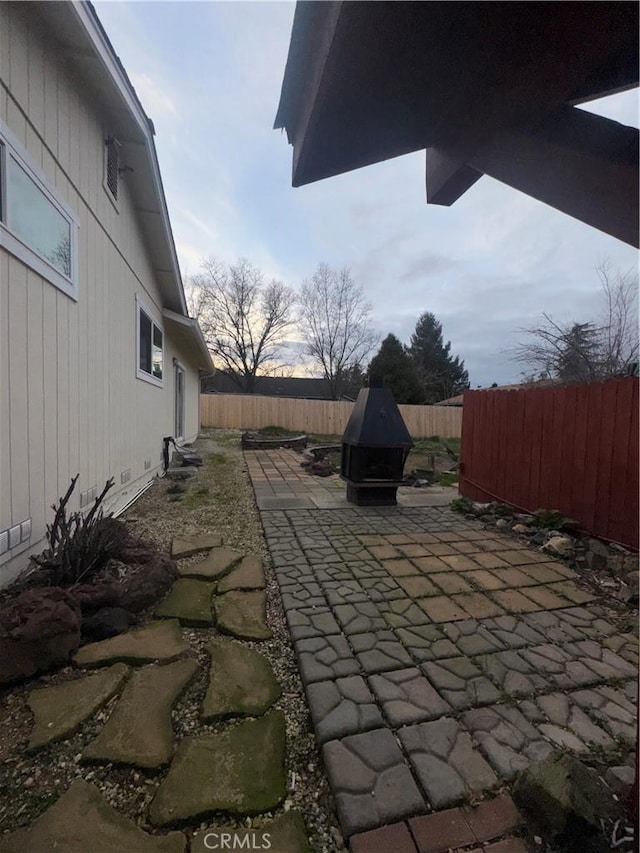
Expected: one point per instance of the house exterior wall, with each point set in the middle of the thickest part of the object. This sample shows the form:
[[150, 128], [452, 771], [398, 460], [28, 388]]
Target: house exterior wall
[[70, 398]]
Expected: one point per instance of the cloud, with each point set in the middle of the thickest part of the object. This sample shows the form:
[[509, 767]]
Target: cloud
[[154, 96], [210, 73]]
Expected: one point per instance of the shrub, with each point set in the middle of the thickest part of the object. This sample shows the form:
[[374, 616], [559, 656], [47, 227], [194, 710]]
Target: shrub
[[79, 544], [551, 519], [463, 505]]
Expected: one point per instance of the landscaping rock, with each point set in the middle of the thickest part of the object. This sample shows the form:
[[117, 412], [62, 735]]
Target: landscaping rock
[[521, 529], [217, 563], [39, 629], [241, 770], [160, 641], [103, 592], [620, 778], [242, 614], [241, 682], [151, 580], [503, 524], [59, 710], [107, 622], [248, 574], [81, 821], [560, 545], [479, 509], [139, 730], [565, 796], [285, 834], [189, 601], [186, 546]]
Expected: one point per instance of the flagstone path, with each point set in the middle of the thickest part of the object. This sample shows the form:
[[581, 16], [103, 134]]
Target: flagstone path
[[439, 659], [239, 770]]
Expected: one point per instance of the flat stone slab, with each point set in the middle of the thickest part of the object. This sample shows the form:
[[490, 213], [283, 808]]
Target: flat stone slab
[[507, 739], [342, 707], [186, 546], [407, 697], [285, 834], [61, 709], [189, 600], [241, 770], [380, 651], [161, 641], [248, 574], [139, 730], [241, 682], [311, 622], [358, 617], [371, 783], [460, 682], [81, 820], [243, 614], [215, 565], [611, 708], [322, 658], [449, 768]]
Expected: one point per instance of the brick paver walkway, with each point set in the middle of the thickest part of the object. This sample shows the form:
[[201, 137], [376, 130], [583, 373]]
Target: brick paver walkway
[[439, 659]]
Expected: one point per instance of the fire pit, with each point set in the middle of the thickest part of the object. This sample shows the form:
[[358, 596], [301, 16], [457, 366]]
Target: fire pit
[[375, 446]]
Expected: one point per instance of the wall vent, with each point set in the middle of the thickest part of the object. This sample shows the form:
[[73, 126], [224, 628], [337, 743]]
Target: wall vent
[[125, 476], [147, 464]]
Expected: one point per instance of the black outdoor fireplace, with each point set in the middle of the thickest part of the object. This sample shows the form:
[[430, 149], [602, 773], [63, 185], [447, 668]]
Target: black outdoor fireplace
[[375, 446]]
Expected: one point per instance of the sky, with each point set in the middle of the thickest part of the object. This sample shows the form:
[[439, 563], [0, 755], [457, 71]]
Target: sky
[[209, 76]]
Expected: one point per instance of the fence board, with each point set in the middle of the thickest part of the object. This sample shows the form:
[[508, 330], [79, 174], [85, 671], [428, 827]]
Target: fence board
[[324, 417], [573, 449]]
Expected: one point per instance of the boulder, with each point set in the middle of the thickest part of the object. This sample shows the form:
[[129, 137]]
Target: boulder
[[562, 546], [521, 529], [503, 524], [565, 796], [39, 630], [149, 582], [107, 622]]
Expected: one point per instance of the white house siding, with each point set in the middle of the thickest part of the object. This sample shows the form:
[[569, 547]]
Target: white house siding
[[70, 398]]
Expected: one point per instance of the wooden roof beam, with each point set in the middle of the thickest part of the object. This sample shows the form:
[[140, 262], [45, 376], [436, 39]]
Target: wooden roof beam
[[581, 164]]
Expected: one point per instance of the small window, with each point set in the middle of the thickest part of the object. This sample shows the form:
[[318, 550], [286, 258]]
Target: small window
[[150, 348], [112, 166], [35, 225]]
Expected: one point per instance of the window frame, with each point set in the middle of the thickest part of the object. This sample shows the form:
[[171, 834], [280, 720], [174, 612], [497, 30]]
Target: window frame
[[12, 242], [143, 306]]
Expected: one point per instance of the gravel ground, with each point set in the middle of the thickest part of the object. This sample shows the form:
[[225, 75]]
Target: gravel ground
[[220, 499]]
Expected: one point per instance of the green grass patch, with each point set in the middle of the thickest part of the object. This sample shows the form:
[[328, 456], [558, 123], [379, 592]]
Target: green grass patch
[[175, 489], [215, 459], [446, 479], [276, 431]]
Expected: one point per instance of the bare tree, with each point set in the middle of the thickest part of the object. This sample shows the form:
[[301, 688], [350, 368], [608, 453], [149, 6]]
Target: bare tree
[[244, 319], [335, 323], [586, 352]]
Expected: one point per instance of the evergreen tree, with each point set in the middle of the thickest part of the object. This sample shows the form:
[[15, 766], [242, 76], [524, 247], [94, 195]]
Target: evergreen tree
[[440, 375], [578, 358], [394, 367]]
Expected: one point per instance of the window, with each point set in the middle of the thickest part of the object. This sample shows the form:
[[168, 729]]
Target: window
[[150, 347], [35, 225], [112, 166]]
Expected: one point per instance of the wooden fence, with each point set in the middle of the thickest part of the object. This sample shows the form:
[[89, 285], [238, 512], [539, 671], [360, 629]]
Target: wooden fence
[[574, 449], [326, 417]]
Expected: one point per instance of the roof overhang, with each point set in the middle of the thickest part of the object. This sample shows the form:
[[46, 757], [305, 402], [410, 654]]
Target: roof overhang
[[188, 335], [91, 57], [482, 86]]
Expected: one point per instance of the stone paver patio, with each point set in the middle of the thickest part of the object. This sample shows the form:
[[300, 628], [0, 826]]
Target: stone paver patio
[[439, 659]]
